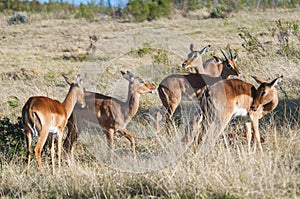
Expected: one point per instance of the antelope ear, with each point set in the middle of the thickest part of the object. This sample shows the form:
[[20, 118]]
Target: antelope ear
[[235, 58], [79, 80], [205, 50], [218, 59], [125, 75], [192, 48], [131, 76], [258, 80], [67, 80], [128, 76], [276, 81]]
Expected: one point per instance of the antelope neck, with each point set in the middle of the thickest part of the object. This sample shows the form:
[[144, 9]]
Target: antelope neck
[[70, 102]]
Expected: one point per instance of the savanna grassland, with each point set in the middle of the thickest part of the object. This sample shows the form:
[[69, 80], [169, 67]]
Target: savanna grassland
[[33, 57]]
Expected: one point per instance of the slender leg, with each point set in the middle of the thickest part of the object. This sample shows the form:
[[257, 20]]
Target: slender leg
[[170, 109], [110, 142], [28, 141], [39, 146], [59, 145], [248, 134], [256, 133], [130, 137], [51, 141], [71, 138]]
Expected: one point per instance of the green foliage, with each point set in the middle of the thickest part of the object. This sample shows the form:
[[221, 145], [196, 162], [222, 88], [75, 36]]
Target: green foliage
[[139, 9], [18, 17], [85, 11], [146, 49], [11, 139], [220, 11], [161, 57], [13, 102], [251, 43], [283, 32], [143, 10]]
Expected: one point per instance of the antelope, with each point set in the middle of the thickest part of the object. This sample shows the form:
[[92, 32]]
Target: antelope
[[233, 97], [211, 67], [42, 115], [194, 60], [110, 113], [189, 85]]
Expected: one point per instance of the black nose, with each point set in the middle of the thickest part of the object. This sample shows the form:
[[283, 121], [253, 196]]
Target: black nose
[[254, 108]]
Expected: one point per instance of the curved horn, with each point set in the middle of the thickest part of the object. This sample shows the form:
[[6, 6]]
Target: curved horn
[[224, 55], [231, 56]]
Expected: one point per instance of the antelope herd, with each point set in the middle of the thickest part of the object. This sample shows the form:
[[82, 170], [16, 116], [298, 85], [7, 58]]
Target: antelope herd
[[213, 86]]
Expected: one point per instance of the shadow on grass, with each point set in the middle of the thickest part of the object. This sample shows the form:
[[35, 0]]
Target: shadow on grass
[[288, 111], [12, 139]]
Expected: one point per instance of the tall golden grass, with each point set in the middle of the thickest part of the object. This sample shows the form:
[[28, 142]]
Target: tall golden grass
[[33, 57]]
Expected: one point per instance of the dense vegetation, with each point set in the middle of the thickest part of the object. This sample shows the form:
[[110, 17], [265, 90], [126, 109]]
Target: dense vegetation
[[142, 10]]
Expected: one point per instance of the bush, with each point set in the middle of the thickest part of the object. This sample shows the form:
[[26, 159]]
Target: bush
[[287, 33], [139, 9], [12, 139], [18, 17], [149, 10], [85, 11]]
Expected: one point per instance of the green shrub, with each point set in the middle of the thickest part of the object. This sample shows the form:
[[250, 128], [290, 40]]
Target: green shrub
[[220, 11], [12, 139], [143, 10], [287, 33], [18, 17], [85, 11], [139, 9], [252, 43]]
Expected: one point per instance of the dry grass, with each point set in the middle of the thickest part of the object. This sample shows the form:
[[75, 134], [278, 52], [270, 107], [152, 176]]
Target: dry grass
[[33, 57]]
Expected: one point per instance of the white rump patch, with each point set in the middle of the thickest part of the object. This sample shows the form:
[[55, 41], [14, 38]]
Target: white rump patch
[[240, 112], [54, 130], [33, 130]]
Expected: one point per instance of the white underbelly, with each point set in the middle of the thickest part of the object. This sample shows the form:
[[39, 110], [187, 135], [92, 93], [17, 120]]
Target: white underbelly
[[240, 112], [53, 130]]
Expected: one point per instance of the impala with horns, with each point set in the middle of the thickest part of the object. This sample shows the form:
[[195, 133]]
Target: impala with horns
[[188, 86], [211, 66], [233, 97], [110, 113], [42, 115]]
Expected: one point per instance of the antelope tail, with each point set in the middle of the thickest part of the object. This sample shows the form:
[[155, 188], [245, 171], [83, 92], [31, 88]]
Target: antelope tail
[[164, 96], [31, 120]]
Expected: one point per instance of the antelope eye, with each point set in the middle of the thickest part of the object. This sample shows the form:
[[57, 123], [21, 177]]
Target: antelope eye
[[194, 56], [262, 93]]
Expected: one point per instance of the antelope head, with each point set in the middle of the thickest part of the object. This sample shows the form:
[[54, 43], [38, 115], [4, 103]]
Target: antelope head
[[265, 93], [231, 63], [137, 84], [194, 58], [77, 88]]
